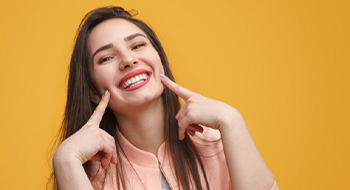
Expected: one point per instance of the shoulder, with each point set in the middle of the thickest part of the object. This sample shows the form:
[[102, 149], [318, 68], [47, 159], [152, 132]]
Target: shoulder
[[209, 142]]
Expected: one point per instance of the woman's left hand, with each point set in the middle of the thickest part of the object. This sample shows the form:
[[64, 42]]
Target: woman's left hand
[[198, 110], [244, 161]]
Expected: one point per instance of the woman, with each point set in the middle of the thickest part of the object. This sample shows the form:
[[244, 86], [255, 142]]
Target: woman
[[124, 127]]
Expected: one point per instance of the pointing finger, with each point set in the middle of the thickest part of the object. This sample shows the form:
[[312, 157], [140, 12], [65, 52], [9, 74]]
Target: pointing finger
[[177, 89], [96, 117]]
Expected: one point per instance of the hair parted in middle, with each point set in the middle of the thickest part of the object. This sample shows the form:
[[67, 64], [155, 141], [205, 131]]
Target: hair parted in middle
[[187, 162]]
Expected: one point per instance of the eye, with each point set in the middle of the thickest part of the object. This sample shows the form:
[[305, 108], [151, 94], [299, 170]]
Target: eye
[[138, 46], [104, 59]]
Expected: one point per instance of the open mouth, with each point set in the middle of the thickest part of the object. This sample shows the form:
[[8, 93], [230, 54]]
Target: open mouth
[[134, 80]]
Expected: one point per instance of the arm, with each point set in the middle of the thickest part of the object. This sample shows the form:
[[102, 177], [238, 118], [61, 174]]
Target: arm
[[246, 167], [70, 174]]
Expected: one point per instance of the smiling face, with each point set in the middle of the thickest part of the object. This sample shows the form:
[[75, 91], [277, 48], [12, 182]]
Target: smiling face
[[124, 62]]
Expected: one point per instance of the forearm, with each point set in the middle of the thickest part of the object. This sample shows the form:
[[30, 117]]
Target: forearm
[[70, 174], [246, 166]]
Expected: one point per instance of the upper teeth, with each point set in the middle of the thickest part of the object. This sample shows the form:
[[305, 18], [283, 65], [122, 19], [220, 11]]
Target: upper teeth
[[135, 80]]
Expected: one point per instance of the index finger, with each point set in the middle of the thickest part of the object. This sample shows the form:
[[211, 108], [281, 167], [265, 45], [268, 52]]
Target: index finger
[[96, 117], [177, 89]]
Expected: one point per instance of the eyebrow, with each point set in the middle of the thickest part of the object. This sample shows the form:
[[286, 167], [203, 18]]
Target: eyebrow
[[108, 46], [101, 49], [132, 36]]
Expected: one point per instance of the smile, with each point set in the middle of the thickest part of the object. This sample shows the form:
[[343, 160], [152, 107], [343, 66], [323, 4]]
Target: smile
[[134, 80]]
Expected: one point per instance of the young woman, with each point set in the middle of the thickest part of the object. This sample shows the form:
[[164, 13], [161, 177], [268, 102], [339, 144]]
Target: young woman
[[124, 127]]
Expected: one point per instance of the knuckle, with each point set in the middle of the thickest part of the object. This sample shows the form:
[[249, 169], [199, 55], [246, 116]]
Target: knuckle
[[190, 115], [99, 135], [108, 138], [111, 139], [196, 96], [109, 150], [191, 99]]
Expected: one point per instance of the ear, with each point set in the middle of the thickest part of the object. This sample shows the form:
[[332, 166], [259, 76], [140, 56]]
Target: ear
[[94, 96]]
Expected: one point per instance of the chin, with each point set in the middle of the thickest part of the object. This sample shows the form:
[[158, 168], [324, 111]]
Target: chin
[[147, 99], [139, 102]]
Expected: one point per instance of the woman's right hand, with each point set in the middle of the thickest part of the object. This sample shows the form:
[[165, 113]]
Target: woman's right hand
[[90, 142]]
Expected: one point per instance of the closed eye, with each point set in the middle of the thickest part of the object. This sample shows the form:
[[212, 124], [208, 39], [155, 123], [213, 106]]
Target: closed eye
[[105, 59]]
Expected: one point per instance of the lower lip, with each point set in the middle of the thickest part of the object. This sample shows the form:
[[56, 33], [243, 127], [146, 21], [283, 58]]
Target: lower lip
[[137, 86]]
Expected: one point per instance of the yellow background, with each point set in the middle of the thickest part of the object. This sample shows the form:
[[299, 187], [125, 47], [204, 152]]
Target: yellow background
[[283, 64]]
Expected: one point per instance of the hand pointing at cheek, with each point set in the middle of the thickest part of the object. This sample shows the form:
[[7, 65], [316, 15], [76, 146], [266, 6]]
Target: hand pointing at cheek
[[90, 142], [198, 110]]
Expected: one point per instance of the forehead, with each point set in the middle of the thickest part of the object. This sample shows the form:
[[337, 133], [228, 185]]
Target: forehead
[[111, 31]]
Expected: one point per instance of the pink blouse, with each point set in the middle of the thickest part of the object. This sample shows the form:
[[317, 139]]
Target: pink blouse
[[144, 170]]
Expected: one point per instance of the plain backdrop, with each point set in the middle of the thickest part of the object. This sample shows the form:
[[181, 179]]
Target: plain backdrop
[[283, 64]]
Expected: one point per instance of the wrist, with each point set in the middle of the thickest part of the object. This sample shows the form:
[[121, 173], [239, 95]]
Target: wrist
[[230, 119], [69, 172], [63, 159]]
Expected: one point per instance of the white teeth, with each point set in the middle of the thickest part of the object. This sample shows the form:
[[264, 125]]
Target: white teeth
[[134, 80], [138, 82]]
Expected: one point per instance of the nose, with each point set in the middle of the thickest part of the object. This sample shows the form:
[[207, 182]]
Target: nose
[[128, 61]]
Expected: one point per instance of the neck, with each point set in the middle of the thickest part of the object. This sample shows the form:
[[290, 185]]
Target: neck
[[144, 127]]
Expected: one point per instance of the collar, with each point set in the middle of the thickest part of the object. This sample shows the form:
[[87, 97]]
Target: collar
[[141, 157]]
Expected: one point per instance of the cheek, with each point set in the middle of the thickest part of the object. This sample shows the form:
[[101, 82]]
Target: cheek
[[152, 58], [158, 66], [103, 78]]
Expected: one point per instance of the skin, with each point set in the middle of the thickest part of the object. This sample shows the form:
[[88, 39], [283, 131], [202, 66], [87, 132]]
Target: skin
[[135, 112], [242, 156]]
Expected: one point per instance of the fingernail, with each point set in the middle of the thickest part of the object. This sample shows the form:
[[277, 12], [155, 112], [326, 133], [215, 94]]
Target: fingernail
[[162, 75], [106, 92]]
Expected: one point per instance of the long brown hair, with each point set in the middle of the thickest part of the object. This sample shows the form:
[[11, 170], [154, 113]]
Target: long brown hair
[[186, 160]]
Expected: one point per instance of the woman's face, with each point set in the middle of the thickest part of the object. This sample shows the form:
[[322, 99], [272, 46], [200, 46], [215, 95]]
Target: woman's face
[[124, 62]]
